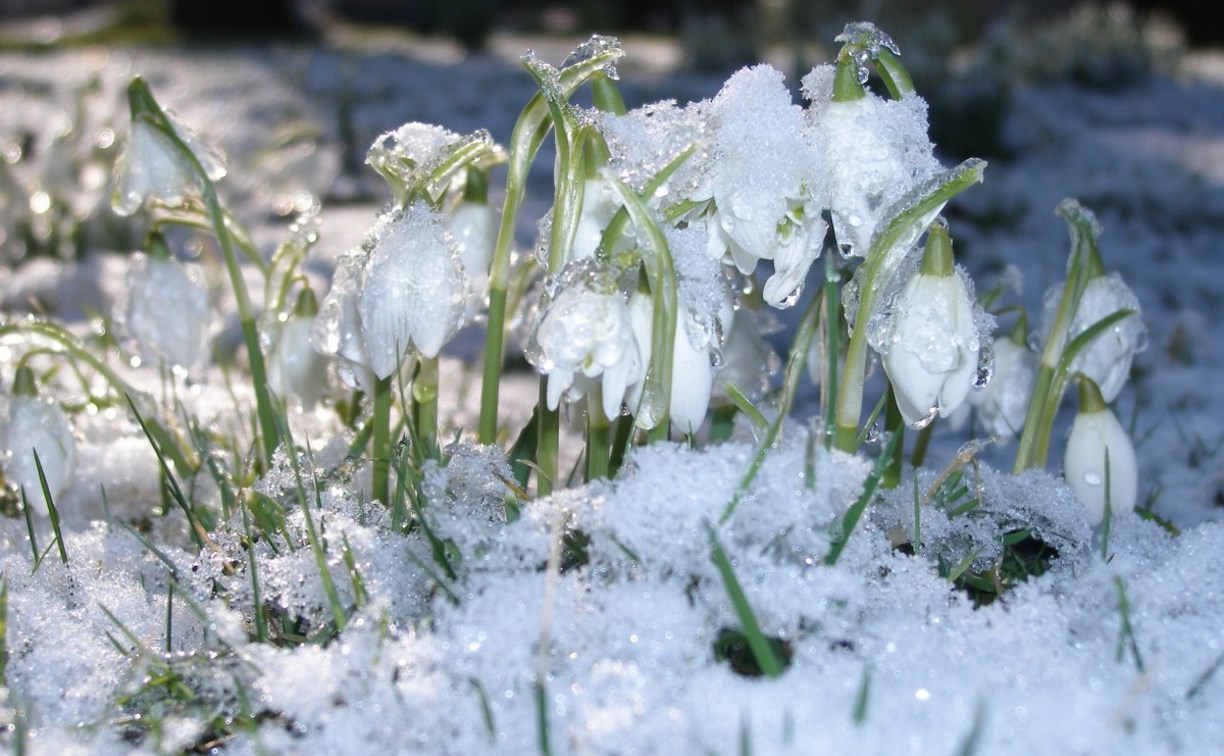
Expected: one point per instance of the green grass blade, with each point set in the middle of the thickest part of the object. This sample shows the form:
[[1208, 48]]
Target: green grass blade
[[851, 518], [52, 512], [762, 651], [176, 491]]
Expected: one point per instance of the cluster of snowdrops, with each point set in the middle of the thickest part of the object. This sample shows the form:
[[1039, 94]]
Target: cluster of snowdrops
[[673, 234]]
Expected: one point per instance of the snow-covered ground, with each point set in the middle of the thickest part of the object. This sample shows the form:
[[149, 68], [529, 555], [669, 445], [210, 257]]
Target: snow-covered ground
[[145, 643]]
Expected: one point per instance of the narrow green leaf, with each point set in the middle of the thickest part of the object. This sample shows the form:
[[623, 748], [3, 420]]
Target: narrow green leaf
[[766, 659]]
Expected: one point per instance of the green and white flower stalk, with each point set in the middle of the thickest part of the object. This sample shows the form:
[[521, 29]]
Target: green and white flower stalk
[[1100, 465], [596, 57], [164, 166], [1071, 339]]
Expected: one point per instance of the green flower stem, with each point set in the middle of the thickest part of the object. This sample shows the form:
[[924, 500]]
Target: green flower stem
[[145, 107], [846, 84], [548, 434], [529, 132], [656, 395], [599, 436], [381, 448], [894, 424], [425, 405], [1033, 447]]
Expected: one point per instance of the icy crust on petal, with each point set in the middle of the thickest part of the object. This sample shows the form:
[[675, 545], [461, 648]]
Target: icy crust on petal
[[166, 311], [702, 288], [760, 161], [409, 156], [33, 424], [337, 328], [1107, 359], [1034, 500], [645, 140], [413, 289], [150, 166], [876, 150]]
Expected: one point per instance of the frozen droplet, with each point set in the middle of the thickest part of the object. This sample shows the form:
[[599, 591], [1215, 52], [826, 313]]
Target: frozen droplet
[[1092, 478], [985, 365]]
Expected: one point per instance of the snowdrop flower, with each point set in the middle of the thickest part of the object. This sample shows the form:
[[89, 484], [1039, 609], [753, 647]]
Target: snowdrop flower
[[1003, 403], [876, 150], [931, 357], [1107, 358], [598, 206], [749, 362], [584, 335], [34, 424], [151, 165], [693, 371], [295, 368], [414, 292], [1096, 434], [473, 226], [337, 328], [762, 173], [166, 311]]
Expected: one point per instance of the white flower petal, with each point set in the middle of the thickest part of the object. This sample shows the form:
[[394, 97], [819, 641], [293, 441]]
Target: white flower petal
[[1093, 434]]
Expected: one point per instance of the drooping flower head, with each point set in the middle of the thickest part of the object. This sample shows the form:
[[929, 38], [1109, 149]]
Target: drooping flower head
[[166, 310], [583, 334], [930, 349], [151, 166], [876, 150], [296, 371], [414, 291], [1108, 357], [764, 175], [1003, 403]]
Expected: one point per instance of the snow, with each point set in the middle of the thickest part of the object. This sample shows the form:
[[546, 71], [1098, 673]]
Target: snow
[[623, 644]]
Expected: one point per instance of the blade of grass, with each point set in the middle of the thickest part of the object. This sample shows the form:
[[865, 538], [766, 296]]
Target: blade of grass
[[1126, 633], [176, 491], [762, 651], [862, 698], [851, 518], [52, 512]]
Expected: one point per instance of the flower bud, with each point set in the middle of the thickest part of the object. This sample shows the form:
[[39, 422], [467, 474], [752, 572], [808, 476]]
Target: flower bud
[[167, 312], [1096, 436], [932, 355], [1003, 403], [295, 369]]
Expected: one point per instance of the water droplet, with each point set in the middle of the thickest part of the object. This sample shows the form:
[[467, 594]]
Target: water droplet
[[1092, 478]]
